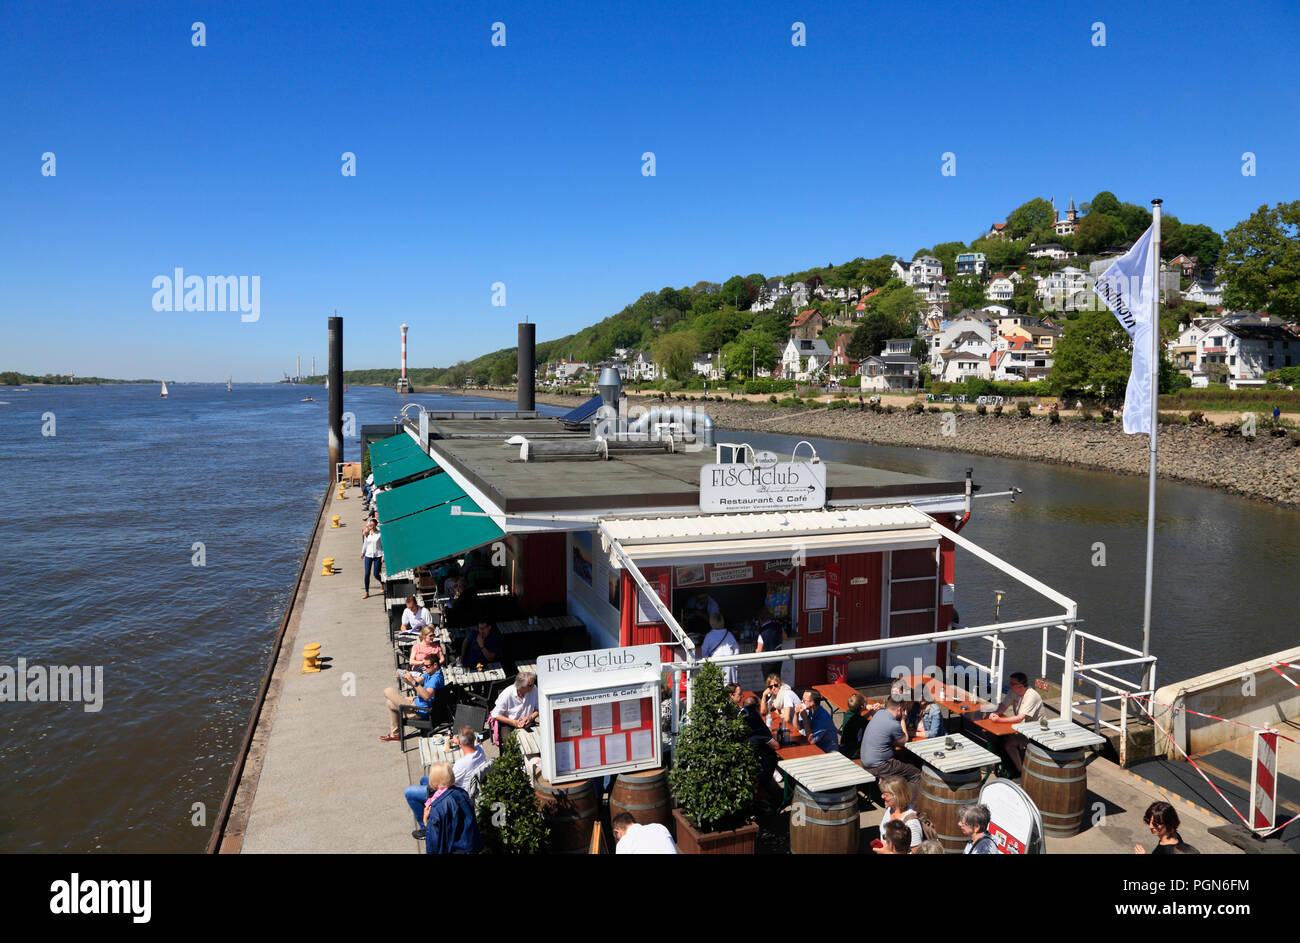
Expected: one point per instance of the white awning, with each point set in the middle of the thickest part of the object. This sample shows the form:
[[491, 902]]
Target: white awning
[[734, 537]]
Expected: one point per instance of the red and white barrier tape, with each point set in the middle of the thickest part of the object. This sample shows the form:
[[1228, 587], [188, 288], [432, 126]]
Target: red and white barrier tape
[[1244, 820], [1284, 677], [1188, 710]]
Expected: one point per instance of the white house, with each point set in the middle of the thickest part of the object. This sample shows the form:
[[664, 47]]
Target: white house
[[799, 295], [1067, 289], [1000, 288], [900, 270], [1016, 359], [890, 372], [924, 270], [641, 367], [1051, 250], [950, 331], [1248, 346], [817, 352], [994, 312], [566, 370], [1205, 292]]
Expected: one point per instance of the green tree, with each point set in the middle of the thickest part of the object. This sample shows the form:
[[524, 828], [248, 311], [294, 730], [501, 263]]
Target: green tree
[[1027, 219], [966, 291], [901, 305], [876, 272], [1093, 357], [1105, 203], [946, 253], [753, 347], [675, 353], [870, 336], [1003, 254], [1261, 259], [508, 818], [714, 772], [502, 372], [1096, 232], [1196, 240]]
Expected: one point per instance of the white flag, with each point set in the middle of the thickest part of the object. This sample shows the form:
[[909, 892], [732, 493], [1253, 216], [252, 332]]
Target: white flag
[[1129, 289]]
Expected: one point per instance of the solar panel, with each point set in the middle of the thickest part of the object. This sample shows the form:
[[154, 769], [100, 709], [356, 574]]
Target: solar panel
[[584, 412]]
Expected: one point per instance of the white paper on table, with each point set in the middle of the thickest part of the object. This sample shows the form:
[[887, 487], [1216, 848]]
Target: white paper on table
[[616, 748], [602, 717], [642, 745], [629, 713], [564, 757], [588, 752], [571, 723]]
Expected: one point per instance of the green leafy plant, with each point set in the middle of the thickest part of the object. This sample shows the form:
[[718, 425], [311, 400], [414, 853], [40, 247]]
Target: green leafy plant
[[916, 407], [1022, 407], [508, 817], [714, 771]]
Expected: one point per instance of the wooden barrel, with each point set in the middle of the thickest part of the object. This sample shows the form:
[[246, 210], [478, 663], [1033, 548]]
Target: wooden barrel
[[644, 796], [824, 823], [942, 796], [570, 811], [1057, 781]]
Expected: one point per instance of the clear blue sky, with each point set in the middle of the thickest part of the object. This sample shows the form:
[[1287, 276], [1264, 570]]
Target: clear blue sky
[[522, 164]]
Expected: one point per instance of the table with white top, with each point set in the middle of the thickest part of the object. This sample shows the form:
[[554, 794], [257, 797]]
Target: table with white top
[[1060, 734], [964, 754], [529, 743], [825, 772], [824, 816], [462, 674], [435, 750]]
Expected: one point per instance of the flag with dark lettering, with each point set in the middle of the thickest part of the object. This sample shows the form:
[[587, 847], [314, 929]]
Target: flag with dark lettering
[[1128, 287]]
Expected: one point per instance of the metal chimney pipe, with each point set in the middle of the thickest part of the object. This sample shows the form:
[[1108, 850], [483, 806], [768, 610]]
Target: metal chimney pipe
[[335, 395], [526, 367]]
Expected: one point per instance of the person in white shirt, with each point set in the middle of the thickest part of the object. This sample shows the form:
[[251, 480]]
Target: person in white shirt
[[635, 839], [414, 618], [516, 707], [372, 554], [472, 759], [1021, 704], [780, 698], [719, 641]]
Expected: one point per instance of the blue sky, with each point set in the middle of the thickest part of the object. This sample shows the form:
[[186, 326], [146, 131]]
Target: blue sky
[[522, 164]]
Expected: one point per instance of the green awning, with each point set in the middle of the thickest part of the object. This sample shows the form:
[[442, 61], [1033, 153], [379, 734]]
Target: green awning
[[417, 496], [391, 449], [434, 534], [403, 468]]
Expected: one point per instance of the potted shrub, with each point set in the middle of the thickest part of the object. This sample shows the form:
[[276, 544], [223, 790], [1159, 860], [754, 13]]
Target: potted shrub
[[508, 818], [714, 774]]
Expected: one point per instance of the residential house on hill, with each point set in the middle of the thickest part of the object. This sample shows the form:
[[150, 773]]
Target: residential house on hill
[[1051, 250], [1205, 292], [816, 351], [1000, 288], [1015, 359], [997, 231], [890, 372], [972, 263], [1187, 265], [840, 355], [807, 324]]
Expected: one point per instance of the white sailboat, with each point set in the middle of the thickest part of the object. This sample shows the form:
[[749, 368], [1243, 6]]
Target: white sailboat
[[164, 389], [229, 388]]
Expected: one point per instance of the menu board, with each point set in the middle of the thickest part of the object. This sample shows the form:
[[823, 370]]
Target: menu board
[[604, 733]]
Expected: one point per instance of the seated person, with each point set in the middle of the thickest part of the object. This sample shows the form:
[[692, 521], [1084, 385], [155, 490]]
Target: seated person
[[817, 724], [734, 693], [855, 721], [449, 824], [720, 641], [760, 740], [1022, 703], [427, 645], [482, 646], [885, 731], [414, 617], [516, 707], [472, 759], [779, 699], [895, 839], [426, 683], [635, 839], [931, 722]]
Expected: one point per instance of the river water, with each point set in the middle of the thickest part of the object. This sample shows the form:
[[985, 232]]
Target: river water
[[111, 513]]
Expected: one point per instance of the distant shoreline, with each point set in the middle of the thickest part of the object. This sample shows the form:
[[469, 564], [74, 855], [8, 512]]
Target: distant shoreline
[[1265, 468]]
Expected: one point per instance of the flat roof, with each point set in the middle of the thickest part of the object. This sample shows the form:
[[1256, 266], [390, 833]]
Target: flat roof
[[628, 480]]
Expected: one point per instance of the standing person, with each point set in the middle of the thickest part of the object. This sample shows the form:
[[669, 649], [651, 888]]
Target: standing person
[[449, 825], [770, 636], [1161, 818], [720, 641], [372, 555], [973, 820], [1277, 414], [702, 606], [817, 724], [885, 731], [633, 838], [1021, 704]]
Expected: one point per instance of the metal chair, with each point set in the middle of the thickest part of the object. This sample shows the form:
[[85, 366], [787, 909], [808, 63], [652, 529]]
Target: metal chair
[[439, 716]]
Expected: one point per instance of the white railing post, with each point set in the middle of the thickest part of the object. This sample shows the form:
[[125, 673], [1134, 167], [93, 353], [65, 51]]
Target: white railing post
[[1067, 676], [1123, 729], [1096, 709], [1042, 662]]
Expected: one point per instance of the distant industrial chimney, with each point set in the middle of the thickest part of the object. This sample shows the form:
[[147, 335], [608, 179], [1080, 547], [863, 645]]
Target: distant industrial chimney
[[403, 384], [526, 366]]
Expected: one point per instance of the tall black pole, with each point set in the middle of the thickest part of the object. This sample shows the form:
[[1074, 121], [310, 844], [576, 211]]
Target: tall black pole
[[335, 376], [527, 359]]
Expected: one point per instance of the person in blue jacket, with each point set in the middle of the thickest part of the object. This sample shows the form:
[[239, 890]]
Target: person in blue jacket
[[449, 824]]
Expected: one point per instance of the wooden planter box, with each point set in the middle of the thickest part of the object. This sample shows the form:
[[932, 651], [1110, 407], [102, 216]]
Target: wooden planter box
[[736, 841]]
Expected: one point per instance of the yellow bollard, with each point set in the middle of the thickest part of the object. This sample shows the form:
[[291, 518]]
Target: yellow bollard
[[335, 520], [311, 658], [327, 567]]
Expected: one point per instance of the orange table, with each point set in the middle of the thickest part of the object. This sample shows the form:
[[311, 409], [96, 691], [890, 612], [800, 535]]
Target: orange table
[[837, 695]]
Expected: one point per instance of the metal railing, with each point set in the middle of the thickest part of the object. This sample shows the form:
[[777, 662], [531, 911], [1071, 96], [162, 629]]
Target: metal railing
[[1076, 670], [994, 669]]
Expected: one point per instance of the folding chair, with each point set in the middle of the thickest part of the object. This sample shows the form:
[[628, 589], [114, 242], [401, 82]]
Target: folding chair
[[438, 719], [470, 715]]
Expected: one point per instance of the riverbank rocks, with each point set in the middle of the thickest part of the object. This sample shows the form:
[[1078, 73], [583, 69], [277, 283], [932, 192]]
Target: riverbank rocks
[[1265, 467]]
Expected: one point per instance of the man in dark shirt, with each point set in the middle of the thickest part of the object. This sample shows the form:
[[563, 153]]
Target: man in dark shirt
[[760, 741], [770, 636], [482, 646]]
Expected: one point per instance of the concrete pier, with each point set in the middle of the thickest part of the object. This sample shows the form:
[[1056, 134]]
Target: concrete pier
[[318, 779]]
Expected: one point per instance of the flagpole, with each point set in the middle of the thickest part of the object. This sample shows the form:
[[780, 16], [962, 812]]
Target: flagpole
[[1155, 416]]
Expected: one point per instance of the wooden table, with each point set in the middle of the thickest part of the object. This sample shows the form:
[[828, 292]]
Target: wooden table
[[1061, 734], [542, 624], [965, 754], [432, 751], [460, 674], [837, 695], [956, 701], [529, 742], [824, 772]]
